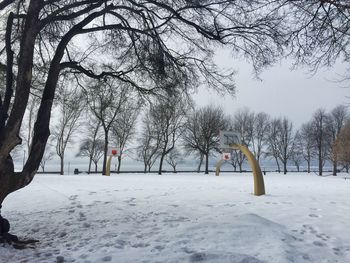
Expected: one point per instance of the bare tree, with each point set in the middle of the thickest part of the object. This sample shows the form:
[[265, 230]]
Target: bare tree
[[124, 126], [307, 143], [106, 100], [243, 124], [201, 158], [338, 117], [70, 106], [46, 157], [168, 117], [90, 146], [234, 159], [321, 135], [343, 146], [274, 129], [281, 141], [149, 142], [202, 131], [297, 151], [260, 134], [318, 30], [174, 158], [285, 142]]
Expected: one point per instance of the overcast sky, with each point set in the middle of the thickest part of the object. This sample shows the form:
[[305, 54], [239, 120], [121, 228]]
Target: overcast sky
[[281, 91]]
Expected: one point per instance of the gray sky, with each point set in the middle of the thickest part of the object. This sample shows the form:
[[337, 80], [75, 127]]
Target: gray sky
[[281, 91]]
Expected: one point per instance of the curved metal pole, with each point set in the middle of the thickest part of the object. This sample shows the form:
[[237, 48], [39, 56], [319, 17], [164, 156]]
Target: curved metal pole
[[259, 186]]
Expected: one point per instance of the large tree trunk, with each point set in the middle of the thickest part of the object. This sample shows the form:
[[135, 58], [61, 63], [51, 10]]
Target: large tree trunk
[[234, 168], [206, 163], [320, 164], [90, 162], [105, 153], [119, 164], [62, 165], [161, 164], [200, 163], [7, 175], [284, 167], [9, 133], [240, 167], [308, 166], [335, 166], [278, 165]]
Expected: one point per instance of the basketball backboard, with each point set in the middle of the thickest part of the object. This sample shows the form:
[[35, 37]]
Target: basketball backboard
[[113, 151], [228, 138]]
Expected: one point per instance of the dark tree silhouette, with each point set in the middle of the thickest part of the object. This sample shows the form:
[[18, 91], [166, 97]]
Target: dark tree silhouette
[[201, 134]]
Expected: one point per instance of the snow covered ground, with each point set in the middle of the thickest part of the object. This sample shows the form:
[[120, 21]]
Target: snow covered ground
[[181, 218]]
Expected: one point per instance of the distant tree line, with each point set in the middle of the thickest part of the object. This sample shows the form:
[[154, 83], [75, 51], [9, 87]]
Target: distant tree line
[[169, 128]]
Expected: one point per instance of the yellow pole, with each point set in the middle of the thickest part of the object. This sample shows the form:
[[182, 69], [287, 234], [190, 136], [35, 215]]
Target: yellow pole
[[218, 166], [259, 186], [108, 166]]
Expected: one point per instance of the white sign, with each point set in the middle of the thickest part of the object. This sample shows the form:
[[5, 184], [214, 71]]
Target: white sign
[[226, 156]]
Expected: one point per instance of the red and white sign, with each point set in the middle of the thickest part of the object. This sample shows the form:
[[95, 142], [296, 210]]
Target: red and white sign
[[226, 156], [114, 151]]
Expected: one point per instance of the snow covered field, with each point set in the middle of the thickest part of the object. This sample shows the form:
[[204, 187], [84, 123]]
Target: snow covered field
[[181, 218]]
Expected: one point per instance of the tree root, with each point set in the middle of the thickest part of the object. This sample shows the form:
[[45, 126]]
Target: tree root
[[7, 238]]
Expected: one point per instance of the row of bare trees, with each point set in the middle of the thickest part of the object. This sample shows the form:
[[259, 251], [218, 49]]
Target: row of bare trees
[[320, 140], [89, 115], [172, 127], [316, 140]]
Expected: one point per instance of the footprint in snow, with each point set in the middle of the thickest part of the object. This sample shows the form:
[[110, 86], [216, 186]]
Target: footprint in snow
[[314, 215], [315, 209], [318, 243], [229, 205], [73, 197], [107, 258], [140, 245]]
